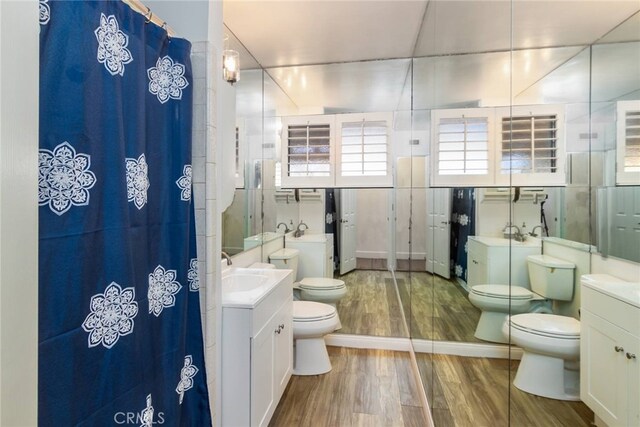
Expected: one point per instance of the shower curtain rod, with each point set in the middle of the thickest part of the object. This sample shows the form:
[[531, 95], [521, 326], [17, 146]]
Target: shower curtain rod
[[139, 7]]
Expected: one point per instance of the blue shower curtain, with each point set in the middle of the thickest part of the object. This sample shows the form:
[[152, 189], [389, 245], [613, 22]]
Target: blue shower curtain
[[462, 226], [120, 337]]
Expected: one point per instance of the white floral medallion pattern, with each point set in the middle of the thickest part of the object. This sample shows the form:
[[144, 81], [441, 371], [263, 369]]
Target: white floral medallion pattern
[[45, 12], [111, 315], [188, 371], [112, 45], [162, 290], [64, 178], [463, 219], [192, 275], [146, 416], [458, 270], [167, 80], [184, 183], [137, 180]]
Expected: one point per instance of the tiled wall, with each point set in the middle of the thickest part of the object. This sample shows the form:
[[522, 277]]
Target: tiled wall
[[204, 194]]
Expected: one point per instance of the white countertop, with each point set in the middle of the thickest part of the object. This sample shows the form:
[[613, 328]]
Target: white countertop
[[310, 238], [499, 241], [246, 287], [628, 292]]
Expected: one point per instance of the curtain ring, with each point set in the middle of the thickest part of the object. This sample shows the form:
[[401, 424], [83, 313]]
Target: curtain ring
[[148, 16], [164, 27]]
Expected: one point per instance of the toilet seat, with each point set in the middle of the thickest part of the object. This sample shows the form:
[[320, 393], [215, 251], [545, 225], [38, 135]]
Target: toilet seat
[[547, 325], [321, 283], [503, 292], [309, 311]]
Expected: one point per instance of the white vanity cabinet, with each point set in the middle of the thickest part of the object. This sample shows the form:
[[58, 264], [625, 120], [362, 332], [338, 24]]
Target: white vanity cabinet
[[257, 357], [610, 356], [488, 260], [315, 257]]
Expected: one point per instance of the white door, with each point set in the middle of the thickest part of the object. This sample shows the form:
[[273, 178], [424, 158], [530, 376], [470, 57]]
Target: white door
[[438, 230], [347, 232]]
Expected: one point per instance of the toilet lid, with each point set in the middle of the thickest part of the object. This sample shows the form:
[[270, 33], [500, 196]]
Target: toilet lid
[[323, 283], [502, 291], [549, 325], [309, 311]]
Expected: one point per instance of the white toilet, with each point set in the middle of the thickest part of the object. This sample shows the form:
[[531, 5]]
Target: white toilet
[[311, 322], [550, 343], [493, 302], [319, 289]]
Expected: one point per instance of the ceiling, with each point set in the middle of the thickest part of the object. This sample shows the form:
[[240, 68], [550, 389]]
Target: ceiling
[[335, 56]]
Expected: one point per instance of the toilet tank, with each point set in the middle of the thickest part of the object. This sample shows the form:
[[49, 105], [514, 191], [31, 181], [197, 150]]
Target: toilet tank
[[286, 258], [551, 277]]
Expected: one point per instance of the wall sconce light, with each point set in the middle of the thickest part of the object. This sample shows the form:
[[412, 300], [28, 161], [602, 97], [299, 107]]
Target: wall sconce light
[[230, 66]]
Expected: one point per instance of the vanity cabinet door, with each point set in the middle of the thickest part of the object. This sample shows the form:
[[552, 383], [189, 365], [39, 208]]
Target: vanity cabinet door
[[603, 369], [633, 379], [262, 375], [283, 348], [477, 273]]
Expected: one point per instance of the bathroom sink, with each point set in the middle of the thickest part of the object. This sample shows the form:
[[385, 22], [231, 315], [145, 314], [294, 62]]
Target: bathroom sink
[[628, 292], [246, 287], [243, 282]]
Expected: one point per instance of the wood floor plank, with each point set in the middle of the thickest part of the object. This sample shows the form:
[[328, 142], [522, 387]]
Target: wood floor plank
[[478, 392], [363, 388]]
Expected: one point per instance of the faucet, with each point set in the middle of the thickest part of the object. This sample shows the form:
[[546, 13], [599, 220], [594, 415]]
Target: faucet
[[227, 257], [299, 232], [286, 228], [518, 237], [532, 233]]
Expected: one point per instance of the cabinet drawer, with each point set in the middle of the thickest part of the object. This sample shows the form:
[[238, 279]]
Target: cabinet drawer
[[615, 311]]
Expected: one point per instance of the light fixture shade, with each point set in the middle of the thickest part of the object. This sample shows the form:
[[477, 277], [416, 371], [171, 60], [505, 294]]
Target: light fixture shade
[[230, 66]]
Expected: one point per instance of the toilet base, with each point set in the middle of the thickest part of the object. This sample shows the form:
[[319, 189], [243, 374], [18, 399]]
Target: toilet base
[[490, 327], [547, 377], [310, 357]]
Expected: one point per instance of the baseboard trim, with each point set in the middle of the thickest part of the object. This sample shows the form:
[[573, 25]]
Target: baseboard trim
[[493, 351], [367, 341]]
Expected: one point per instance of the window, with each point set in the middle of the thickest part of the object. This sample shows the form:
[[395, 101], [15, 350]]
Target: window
[[628, 143], [307, 156], [364, 157], [531, 146], [460, 147], [358, 156]]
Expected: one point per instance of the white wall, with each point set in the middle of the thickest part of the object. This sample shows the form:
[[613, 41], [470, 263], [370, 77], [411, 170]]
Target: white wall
[[19, 73]]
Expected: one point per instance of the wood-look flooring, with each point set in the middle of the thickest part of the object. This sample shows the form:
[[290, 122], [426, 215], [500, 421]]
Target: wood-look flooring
[[364, 388], [371, 306], [439, 308], [436, 308], [478, 392]]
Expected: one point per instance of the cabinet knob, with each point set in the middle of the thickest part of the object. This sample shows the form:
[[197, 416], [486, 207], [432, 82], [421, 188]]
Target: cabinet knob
[[619, 349], [281, 326], [474, 261], [631, 356], [277, 331]]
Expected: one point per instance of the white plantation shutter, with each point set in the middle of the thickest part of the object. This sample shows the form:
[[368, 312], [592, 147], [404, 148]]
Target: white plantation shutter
[[628, 143], [307, 151], [460, 148], [531, 145], [363, 154]]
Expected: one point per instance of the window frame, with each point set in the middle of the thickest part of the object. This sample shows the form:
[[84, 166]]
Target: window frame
[[623, 177], [306, 181], [378, 181], [462, 180], [546, 179]]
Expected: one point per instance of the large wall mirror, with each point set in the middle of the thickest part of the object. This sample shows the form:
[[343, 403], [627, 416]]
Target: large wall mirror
[[498, 145]]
